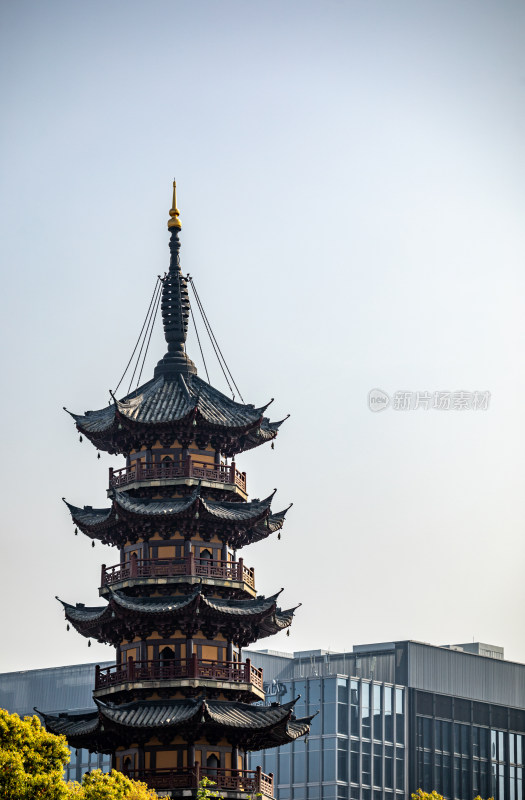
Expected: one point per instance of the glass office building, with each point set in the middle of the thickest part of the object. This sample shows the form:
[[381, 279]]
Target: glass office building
[[399, 716], [356, 745]]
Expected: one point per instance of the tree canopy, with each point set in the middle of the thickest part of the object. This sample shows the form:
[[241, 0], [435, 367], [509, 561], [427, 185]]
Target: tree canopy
[[32, 765], [421, 795]]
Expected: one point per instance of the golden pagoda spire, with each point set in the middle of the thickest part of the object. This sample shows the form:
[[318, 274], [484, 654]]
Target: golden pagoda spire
[[174, 221]]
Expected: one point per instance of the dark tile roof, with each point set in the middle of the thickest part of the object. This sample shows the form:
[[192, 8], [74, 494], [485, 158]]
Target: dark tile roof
[[155, 508], [228, 511], [162, 401], [249, 620], [258, 726]]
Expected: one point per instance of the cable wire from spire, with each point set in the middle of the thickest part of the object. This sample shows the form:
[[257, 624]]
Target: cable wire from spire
[[207, 328], [199, 341], [214, 341], [149, 338], [150, 315], [159, 279]]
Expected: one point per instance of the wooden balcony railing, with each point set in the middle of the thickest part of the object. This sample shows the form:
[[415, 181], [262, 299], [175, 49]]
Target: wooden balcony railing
[[186, 469], [250, 781], [174, 567], [132, 671]]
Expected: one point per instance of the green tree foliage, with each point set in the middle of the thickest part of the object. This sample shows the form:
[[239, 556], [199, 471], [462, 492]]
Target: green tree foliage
[[421, 795], [31, 760], [98, 785], [204, 791], [32, 764]]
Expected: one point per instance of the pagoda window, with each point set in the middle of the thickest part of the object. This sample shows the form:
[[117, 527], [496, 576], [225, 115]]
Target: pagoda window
[[166, 654], [213, 761], [126, 765], [206, 554], [167, 463]]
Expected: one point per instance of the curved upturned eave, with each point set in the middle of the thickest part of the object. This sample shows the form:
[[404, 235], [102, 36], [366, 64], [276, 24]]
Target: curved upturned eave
[[162, 402], [90, 519], [258, 726], [101, 622]]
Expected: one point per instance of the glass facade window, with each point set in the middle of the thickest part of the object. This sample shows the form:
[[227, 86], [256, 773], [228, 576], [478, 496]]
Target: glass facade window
[[378, 764], [285, 776], [354, 761], [329, 705], [400, 720], [389, 727], [354, 708], [389, 767], [342, 705], [377, 711], [342, 760], [366, 727], [314, 760], [314, 705], [366, 764], [299, 761], [329, 749]]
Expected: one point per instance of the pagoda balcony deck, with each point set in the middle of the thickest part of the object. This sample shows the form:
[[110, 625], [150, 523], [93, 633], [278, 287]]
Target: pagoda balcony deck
[[178, 568], [228, 782], [182, 671], [189, 468]]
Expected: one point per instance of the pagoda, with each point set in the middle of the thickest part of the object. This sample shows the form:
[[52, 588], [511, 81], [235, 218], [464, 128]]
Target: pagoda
[[180, 702]]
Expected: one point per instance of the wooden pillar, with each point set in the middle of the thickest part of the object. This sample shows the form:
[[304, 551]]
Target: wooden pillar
[[235, 757], [229, 651], [224, 551], [194, 667], [189, 647]]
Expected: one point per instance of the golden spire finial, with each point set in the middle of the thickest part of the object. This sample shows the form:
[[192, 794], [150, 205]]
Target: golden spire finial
[[174, 221]]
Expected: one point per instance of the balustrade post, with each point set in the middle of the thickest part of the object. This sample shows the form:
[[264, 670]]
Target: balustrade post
[[103, 575], [131, 668], [197, 773], [240, 569], [97, 676], [232, 472], [194, 667], [258, 774], [192, 563], [111, 476], [138, 469], [248, 671]]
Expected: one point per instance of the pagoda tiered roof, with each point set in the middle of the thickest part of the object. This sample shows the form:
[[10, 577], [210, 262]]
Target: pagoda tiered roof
[[130, 518], [240, 621], [180, 407], [255, 727]]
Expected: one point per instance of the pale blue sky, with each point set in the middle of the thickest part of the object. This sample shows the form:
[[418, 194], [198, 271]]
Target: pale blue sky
[[351, 190]]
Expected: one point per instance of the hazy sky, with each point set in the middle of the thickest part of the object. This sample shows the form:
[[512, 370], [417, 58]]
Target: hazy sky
[[351, 186]]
